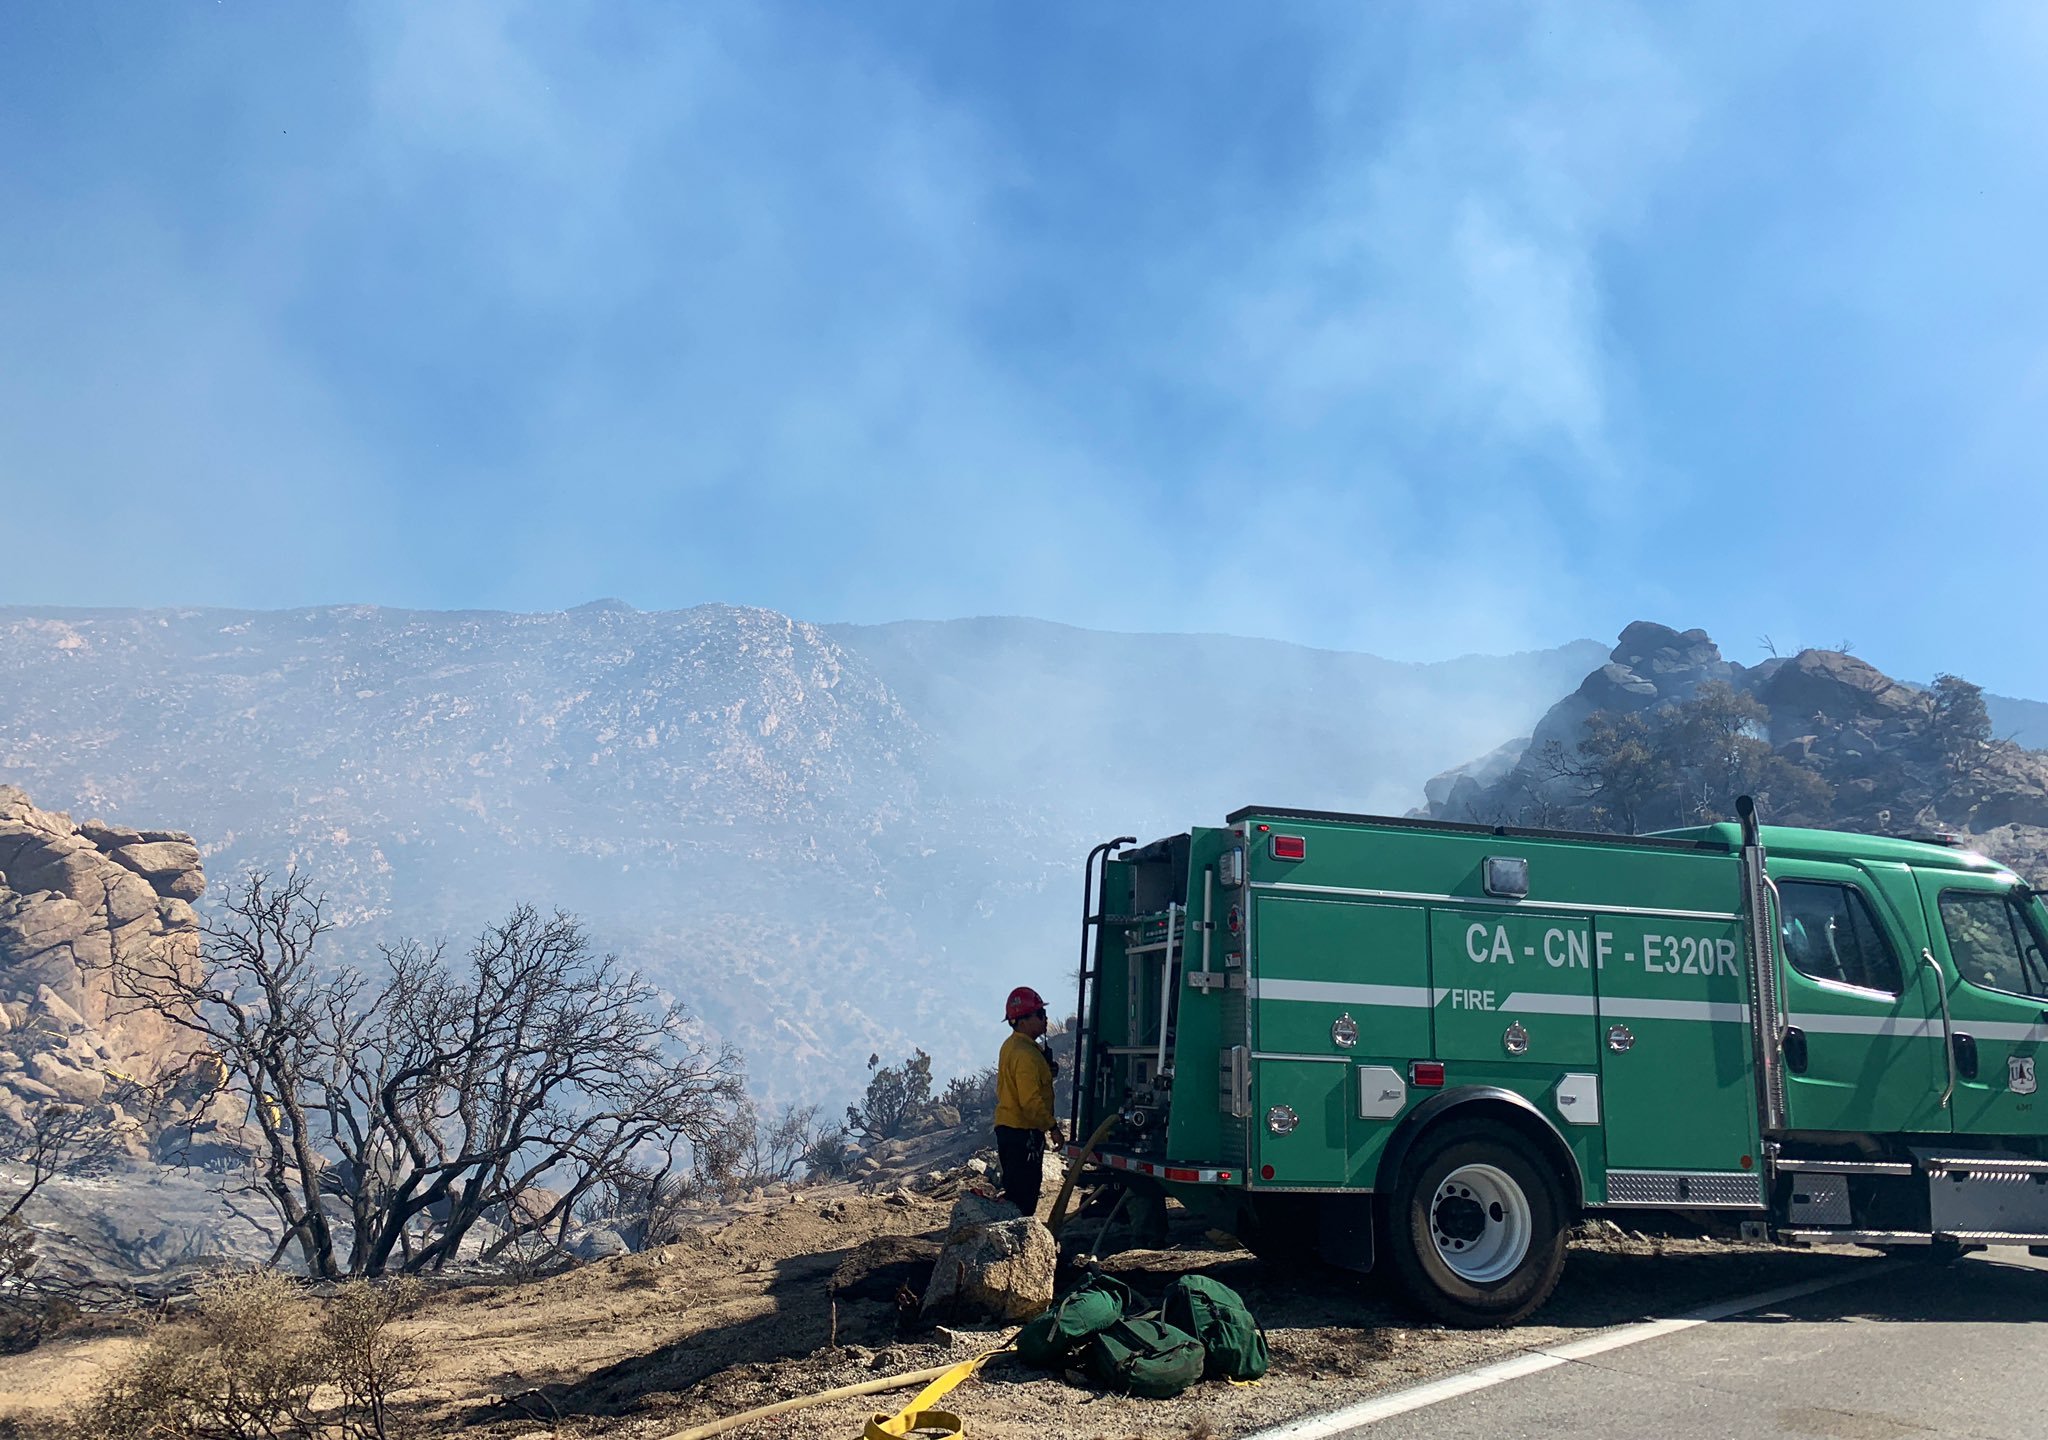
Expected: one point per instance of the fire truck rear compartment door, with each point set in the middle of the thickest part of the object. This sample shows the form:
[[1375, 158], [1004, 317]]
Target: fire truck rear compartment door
[[1678, 1095], [1301, 1114], [1320, 962]]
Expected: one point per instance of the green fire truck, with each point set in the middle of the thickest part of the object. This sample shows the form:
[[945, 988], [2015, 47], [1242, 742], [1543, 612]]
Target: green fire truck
[[1436, 1046]]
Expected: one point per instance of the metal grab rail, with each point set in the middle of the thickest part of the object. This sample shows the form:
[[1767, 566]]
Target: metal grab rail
[[1948, 1026], [1774, 921], [1766, 1002], [1084, 1018], [1176, 943]]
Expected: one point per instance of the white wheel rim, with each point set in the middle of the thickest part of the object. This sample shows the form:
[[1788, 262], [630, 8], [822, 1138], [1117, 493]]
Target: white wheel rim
[[1480, 1222]]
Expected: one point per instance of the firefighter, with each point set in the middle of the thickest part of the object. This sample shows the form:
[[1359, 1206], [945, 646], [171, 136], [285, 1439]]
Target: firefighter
[[1024, 1118]]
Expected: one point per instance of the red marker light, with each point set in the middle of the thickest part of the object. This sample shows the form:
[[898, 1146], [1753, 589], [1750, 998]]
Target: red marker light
[[1265, 1172], [1174, 1172], [1290, 847], [1426, 1075], [1264, 828]]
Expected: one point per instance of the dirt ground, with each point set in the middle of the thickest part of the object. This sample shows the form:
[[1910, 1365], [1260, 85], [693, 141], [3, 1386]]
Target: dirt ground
[[792, 1294]]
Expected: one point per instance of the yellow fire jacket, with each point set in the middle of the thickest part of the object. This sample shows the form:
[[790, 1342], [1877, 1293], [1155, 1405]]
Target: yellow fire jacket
[[1023, 1086]]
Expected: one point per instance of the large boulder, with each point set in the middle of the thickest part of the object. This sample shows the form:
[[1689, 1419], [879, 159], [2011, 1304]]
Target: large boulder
[[1820, 690], [1615, 686], [1658, 650], [72, 896], [31, 927], [172, 866], [597, 1242], [995, 1264]]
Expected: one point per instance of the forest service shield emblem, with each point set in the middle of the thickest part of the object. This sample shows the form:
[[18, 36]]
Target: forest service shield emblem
[[2019, 1074]]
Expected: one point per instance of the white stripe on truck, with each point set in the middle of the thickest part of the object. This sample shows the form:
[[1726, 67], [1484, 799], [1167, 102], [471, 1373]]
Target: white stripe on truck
[[1340, 992], [1628, 1007], [1527, 1002]]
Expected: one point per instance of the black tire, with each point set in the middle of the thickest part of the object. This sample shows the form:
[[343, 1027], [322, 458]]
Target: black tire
[[1514, 1167]]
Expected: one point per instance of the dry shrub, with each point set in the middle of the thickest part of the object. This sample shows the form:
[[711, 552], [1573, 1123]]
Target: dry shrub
[[370, 1364], [251, 1361]]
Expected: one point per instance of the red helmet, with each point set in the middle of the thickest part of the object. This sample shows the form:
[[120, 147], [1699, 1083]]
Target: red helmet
[[1023, 1001]]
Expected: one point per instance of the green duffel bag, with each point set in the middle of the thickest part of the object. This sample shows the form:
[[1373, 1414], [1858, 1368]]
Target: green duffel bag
[[1144, 1357], [1216, 1315], [1090, 1307]]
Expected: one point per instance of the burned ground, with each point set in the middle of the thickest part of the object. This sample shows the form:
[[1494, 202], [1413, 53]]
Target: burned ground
[[795, 1293]]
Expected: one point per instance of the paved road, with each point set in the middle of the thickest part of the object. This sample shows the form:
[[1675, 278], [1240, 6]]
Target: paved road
[[1960, 1352]]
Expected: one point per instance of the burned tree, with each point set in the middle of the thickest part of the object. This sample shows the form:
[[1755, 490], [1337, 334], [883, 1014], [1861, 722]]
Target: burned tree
[[396, 1109], [44, 1140]]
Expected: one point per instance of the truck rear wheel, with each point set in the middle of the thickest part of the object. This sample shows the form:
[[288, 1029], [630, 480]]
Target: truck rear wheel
[[1475, 1225]]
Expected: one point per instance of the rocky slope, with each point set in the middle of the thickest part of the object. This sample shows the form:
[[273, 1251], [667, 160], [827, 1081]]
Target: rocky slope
[[70, 895], [1875, 748], [829, 841]]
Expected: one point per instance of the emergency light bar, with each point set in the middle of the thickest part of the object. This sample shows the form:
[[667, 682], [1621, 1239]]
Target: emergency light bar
[[1948, 838]]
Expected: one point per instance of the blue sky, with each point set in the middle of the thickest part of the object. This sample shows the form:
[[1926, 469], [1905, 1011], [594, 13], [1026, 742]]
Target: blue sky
[[1417, 329]]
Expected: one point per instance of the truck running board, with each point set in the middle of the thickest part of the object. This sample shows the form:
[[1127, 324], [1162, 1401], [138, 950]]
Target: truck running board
[[1854, 1237], [1987, 1197], [2007, 1166], [1846, 1167]]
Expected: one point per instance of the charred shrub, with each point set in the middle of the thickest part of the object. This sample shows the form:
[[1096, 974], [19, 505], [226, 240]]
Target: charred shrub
[[251, 1359], [898, 1099]]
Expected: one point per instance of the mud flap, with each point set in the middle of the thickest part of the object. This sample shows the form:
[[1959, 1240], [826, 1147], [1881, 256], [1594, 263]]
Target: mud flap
[[1344, 1238]]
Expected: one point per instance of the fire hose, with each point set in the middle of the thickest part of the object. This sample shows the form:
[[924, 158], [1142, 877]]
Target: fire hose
[[1059, 1204], [920, 1414]]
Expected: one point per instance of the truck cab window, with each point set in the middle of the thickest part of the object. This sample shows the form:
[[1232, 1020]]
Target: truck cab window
[[1994, 941], [1829, 933]]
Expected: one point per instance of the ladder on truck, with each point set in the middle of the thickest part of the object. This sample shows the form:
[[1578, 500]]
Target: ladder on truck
[[1147, 1063]]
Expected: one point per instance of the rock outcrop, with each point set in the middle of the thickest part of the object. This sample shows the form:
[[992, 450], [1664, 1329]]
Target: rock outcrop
[[1877, 746], [72, 896]]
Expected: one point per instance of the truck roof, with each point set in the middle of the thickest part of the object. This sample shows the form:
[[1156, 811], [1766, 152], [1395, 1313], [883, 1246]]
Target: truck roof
[[1726, 837], [1805, 844]]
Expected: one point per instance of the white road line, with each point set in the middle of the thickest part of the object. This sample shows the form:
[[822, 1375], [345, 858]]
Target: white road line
[[1533, 1362]]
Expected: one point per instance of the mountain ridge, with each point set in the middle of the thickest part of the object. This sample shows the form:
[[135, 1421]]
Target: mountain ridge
[[827, 840]]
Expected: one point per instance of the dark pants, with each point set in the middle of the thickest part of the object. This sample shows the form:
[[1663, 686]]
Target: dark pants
[[1021, 1154]]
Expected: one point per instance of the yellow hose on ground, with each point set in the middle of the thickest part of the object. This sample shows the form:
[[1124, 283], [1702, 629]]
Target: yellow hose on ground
[[1059, 1204], [930, 1378], [920, 1414]]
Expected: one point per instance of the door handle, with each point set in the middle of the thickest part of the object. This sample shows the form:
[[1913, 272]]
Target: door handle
[[1948, 1025], [1966, 1055], [1795, 1049]]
